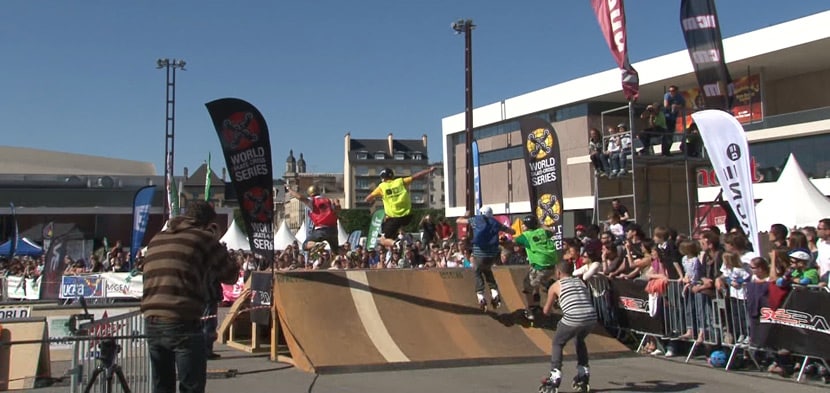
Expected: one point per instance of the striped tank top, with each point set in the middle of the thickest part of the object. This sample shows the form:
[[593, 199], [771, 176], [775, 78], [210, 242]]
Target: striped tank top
[[576, 303]]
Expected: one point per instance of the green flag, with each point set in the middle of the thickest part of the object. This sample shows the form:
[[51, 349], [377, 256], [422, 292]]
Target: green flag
[[207, 179]]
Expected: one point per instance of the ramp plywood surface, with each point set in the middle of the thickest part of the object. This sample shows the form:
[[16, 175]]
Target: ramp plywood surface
[[22, 364], [336, 321]]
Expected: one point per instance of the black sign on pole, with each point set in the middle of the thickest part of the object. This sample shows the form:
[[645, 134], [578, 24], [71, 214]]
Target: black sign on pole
[[247, 148], [544, 175]]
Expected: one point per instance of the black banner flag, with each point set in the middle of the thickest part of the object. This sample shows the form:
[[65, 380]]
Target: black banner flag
[[247, 148], [53, 269], [701, 29], [544, 175]]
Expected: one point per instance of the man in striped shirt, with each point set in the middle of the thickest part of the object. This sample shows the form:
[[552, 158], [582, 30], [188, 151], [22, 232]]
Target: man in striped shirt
[[578, 318], [181, 264]]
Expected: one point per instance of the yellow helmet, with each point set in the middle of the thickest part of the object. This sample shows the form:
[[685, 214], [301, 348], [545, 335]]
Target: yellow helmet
[[312, 190]]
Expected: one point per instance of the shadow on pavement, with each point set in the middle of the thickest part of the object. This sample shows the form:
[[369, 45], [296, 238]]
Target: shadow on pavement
[[651, 386]]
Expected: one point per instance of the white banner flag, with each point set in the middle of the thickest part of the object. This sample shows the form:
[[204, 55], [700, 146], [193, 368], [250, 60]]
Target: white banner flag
[[728, 150]]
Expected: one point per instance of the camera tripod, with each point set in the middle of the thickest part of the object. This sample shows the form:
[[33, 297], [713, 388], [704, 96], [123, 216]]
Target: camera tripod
[[107, 365]]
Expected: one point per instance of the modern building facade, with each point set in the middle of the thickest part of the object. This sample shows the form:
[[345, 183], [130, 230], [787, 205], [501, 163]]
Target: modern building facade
[[436, 186], [366, 158], [782, 76], [87, 197]]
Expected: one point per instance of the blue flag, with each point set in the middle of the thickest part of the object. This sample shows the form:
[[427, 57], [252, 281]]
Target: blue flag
[[476, 178], [141, 214], [15, 233]]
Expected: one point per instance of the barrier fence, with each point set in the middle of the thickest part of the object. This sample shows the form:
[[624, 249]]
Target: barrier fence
[[110, 345], [739, 323]]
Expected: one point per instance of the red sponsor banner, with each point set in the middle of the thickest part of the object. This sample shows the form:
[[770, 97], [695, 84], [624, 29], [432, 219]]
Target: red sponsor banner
[[747, 108], [706, 177]]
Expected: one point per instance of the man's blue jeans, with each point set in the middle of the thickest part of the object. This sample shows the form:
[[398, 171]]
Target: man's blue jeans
[[177, 345]]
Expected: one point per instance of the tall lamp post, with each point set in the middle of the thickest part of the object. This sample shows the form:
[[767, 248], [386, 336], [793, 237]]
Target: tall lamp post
[[466, 26], [170, 65]]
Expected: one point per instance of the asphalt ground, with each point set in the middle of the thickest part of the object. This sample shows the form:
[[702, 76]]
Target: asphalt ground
[[634, 373]]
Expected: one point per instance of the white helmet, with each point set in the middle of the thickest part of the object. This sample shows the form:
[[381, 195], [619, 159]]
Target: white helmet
[[486, 211]]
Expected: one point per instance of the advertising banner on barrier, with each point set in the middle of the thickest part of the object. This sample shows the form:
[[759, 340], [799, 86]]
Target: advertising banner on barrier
[[800, 324], [90, 287], [123, 285], [18, 287], [15, 312], [261, 291], [631, 299]]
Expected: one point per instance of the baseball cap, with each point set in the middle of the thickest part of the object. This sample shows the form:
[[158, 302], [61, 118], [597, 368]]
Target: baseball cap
[[800, 254], [580, 227], [486, 211]]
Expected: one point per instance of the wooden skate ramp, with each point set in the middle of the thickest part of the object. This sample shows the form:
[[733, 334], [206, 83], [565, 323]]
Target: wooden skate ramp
[[357, 320]]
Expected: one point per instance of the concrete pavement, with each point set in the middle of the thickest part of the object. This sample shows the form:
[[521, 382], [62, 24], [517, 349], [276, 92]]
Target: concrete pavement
[[634, 373]]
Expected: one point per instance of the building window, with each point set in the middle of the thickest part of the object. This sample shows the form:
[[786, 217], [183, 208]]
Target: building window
[[380, 155], [417, 156], [361, 170], [363, 183], [362, 155], [399, 155]]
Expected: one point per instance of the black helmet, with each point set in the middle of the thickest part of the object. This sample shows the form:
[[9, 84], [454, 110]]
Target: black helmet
[[530, 221], [387, 174]]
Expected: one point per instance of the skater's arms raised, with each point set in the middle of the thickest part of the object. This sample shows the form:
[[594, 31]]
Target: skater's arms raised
[[302, 198]]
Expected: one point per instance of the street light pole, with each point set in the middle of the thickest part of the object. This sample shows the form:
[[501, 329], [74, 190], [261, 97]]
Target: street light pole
[[170, 126], [466, 26]]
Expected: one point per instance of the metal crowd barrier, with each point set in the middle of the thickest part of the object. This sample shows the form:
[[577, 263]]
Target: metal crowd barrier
[[692, 317], [133, 357]]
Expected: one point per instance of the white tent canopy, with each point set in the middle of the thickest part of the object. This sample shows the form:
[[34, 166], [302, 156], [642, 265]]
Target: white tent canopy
[[283, 237], [301, 233], [342, 236], [235, 239], [794, 201]]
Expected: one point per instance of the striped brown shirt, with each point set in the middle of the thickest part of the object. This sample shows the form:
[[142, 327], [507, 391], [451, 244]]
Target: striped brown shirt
[[180, 263]]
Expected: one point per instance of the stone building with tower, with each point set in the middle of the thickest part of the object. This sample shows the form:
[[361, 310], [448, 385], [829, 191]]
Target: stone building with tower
[[298, 179]]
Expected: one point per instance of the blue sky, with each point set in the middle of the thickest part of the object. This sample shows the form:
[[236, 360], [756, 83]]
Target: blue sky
[[80, 76]]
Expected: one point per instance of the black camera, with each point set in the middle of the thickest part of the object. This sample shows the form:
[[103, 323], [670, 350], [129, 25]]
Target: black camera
[[107, 349]]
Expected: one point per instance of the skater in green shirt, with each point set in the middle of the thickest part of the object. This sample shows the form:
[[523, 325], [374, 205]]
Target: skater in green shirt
[[542, 255]]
